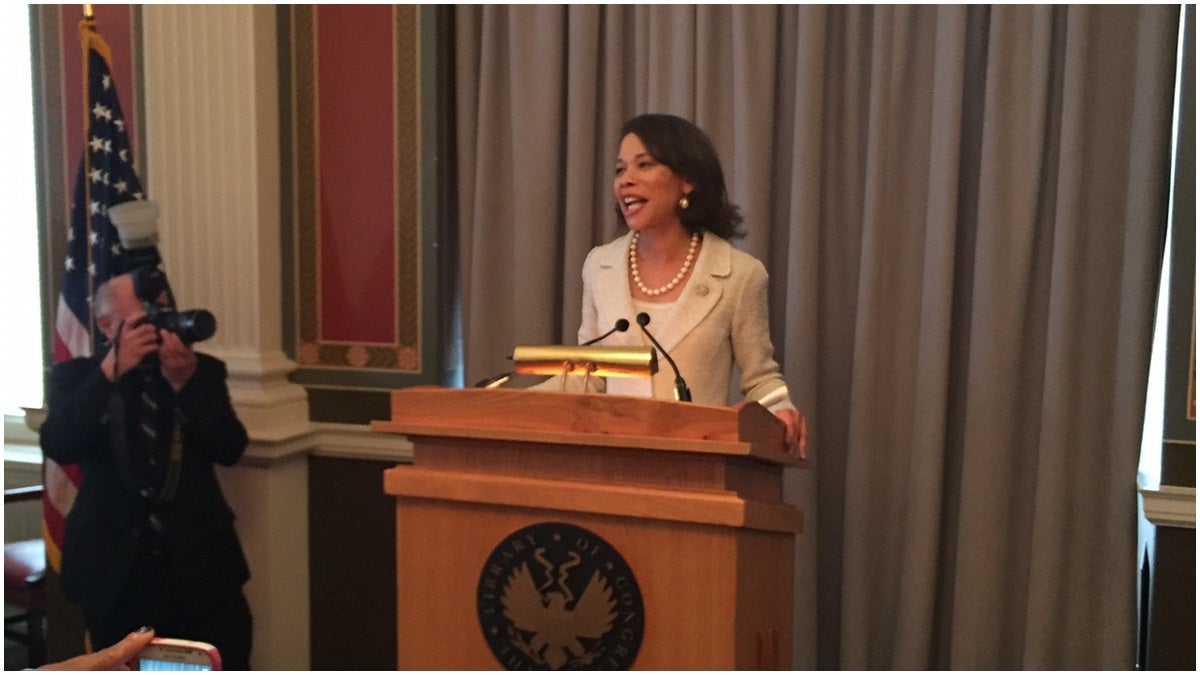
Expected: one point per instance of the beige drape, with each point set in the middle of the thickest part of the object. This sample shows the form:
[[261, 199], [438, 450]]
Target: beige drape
[[962, 211]]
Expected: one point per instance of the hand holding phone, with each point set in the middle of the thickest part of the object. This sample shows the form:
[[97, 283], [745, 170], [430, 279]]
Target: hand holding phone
[[175, 654]]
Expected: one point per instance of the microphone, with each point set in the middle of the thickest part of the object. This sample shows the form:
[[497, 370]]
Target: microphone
[[621, 326], [681, 390]]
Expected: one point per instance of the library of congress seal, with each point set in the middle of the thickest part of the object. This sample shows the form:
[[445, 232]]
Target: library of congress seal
[[556, 596]]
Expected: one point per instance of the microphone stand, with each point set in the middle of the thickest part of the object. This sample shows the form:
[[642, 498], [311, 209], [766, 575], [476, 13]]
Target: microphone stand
[[620, 326], [681, 389]]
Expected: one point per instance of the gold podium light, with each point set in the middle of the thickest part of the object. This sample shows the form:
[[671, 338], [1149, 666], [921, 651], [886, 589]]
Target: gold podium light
[[586, 361]]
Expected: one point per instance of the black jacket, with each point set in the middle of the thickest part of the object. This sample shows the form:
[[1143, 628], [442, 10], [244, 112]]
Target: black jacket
[[108, 519]]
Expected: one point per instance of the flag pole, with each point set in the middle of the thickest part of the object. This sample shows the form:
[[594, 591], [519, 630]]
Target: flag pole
[[86, 28]]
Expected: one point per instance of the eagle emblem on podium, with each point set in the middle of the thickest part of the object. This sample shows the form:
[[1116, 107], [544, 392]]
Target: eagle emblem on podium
[[555, 596], [554, 618]]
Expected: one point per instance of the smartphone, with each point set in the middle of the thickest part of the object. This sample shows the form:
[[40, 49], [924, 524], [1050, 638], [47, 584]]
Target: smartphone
[[174, 654]]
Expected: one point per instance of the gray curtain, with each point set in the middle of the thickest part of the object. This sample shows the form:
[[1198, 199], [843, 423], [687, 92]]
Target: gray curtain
[[962, 211]]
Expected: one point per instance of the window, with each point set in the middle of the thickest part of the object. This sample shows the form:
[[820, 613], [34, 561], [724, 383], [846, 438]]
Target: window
[[21, 341], [1150, 461], [22, 335]]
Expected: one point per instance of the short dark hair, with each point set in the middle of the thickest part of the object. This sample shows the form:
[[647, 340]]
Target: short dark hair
[[687, 151]]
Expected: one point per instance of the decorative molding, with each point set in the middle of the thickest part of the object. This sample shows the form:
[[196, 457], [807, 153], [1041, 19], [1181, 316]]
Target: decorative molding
[[358, 441], [342, 441], [254, 365], [263, 453], [274, 409], [319, 268], [1170, 506]]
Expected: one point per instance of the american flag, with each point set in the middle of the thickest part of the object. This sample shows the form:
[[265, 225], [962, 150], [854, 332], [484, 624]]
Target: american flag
[[106, 178]]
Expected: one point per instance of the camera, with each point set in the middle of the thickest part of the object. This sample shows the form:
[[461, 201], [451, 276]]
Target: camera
[[192, 325], [135, 222]]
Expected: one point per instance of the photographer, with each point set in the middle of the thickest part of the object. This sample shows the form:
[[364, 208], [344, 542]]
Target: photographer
[[150, 538]]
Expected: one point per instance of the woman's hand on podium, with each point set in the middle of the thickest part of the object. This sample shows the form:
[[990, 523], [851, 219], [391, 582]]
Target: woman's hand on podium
[[796, 430]]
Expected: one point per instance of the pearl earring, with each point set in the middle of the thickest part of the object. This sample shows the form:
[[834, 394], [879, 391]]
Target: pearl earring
[[683, 202]]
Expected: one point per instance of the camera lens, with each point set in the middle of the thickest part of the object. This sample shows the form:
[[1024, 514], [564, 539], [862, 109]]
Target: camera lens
[[194, 325]]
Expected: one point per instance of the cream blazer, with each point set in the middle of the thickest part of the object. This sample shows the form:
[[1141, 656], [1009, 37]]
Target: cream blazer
[[720, 320]]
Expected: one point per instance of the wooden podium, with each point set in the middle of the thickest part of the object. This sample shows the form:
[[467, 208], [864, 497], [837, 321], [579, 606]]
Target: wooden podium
[[688, 497]]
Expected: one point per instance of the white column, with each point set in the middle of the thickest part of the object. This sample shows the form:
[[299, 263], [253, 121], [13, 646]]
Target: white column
[[212, 148]]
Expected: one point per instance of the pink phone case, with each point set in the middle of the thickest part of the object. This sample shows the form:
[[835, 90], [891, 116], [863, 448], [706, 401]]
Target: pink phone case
[[176, 654]]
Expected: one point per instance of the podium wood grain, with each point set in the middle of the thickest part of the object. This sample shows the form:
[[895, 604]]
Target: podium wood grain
[[691, 497]]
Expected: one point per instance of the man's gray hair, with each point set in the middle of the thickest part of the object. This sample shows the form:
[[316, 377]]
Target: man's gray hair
[[102, 304]]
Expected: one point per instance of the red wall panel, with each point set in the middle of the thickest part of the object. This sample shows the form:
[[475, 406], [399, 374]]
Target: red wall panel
[[356, 200]]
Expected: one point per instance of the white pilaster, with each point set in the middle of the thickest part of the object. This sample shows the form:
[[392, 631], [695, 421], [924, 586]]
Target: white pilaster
[[212, 148]]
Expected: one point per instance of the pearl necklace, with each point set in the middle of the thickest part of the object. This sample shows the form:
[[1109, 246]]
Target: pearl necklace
[[637, 278]]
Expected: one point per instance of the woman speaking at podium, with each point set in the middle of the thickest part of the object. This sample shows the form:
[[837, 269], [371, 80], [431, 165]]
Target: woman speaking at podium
[[675, 271]]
